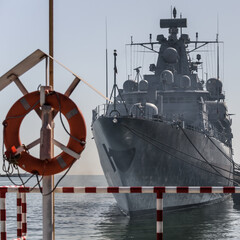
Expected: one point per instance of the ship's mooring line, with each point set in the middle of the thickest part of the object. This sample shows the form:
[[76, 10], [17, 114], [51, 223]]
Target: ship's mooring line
[[200, 152], [230, 159], [188, 156], [88, 84], [168, 146], [177, 150], [137, 134], [217, 174]]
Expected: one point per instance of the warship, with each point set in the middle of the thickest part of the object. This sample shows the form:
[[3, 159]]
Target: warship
[[170, 127]]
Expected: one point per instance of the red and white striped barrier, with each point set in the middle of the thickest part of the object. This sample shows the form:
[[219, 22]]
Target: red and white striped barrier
[[167, 189], [148, 189], [3, 215], [19, 215], [22, 238], [159, 215], [159, 191], [21, 198], [24, 215]]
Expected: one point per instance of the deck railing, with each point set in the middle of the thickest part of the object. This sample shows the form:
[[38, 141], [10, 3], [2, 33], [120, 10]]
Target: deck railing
[[171, 119], [159, 191]]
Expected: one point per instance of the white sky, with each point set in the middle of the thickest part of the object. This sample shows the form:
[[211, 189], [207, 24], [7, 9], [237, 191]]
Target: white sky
[[79, 43]]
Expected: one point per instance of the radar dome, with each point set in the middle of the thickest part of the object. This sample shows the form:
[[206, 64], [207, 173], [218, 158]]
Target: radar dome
[[143, 85], [185, 82], [214, 86], [166, 76], [170, 55], [130, 86]]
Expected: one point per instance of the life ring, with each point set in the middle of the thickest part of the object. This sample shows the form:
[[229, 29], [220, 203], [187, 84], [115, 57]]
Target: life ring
[[13, 122]]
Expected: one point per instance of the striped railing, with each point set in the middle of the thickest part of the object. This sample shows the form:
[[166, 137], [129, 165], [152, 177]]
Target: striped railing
[[159, 191], [21, 216], [21, 213]]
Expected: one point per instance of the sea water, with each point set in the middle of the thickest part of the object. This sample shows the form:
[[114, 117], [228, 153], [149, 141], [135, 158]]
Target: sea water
[[96, 216]]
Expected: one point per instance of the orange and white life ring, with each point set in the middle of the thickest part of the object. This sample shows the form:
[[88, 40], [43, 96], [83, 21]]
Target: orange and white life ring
[[13, 122]]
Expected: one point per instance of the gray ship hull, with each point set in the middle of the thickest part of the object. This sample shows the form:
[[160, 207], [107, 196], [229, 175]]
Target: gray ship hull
[[140, 152]]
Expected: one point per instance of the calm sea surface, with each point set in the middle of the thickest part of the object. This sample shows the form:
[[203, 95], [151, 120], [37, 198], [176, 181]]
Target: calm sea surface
[[96, 216]]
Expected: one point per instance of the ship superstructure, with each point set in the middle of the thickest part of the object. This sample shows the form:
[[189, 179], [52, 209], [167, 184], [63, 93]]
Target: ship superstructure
[[168, 128]]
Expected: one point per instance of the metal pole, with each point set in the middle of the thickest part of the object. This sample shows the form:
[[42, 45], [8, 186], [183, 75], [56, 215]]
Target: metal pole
[[47, 73], [45, 154], [106, 65], [51, 42], [115, 78], [51, 80]]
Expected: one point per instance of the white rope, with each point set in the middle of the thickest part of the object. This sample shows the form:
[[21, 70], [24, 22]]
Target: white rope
[[89, 85]]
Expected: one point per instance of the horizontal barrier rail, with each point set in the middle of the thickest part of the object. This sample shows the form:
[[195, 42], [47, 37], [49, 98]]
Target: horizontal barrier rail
[[159, 191], [167, 189]]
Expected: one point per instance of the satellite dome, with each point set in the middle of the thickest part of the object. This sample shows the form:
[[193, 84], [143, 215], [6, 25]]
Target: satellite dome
[[214, 86], [166, 76], [185, 81], [170, 55], [143, 85], [130, 86]]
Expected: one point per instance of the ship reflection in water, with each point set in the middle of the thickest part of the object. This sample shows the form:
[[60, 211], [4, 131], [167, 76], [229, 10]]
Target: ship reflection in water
[[91, 216], [217, 221]]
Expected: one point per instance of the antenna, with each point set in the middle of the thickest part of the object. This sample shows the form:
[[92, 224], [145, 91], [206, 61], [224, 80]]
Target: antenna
[[196, 39], [150, 37], [181, 27], [51, 42], [217, 47], [115, 78], [106, 61]]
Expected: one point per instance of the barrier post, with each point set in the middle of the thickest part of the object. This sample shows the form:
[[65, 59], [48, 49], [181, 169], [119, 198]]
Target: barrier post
[[159, 215], [3, 214], [19, 215], [24, 215]]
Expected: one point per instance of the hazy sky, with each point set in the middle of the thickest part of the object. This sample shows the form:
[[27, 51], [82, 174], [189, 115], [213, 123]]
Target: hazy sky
[[80, 44]]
